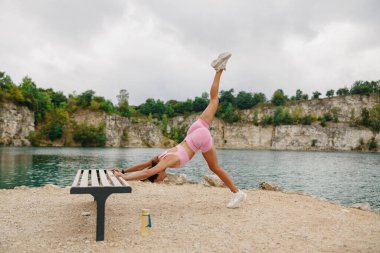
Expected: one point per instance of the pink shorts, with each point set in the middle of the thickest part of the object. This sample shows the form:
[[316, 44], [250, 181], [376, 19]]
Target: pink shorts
[[198, 136]]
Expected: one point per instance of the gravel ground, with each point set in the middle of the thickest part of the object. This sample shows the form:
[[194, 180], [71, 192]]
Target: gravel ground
[[186, 218]]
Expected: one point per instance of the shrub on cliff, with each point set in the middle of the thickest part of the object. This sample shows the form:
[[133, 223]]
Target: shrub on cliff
[[35, 138], [177, 134], [90, 136], [374, 118], [307, 120], [267, 120], [57, 121], [372, 144], [282, 117]]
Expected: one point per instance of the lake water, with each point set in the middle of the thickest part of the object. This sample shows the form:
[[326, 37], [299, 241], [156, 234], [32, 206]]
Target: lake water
[[345, 178]]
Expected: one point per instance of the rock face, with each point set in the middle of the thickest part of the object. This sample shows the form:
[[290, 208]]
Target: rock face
[[123, 132], [335, 136], [338, 136], [345, 107], [16, 122]]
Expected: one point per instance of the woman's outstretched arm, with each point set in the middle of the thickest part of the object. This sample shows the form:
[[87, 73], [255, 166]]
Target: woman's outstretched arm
[[136, 167], [161, 166]]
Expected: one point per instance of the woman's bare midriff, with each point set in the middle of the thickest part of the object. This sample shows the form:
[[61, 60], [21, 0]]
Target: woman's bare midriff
[[189, 151]]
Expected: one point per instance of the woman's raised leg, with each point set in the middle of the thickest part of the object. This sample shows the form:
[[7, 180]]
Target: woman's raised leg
[[209, 113]]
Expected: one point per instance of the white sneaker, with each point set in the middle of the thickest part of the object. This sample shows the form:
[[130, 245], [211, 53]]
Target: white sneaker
[[221, 61], [236, 199]]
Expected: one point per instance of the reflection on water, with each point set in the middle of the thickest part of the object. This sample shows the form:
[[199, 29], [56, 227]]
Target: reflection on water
[[343, 177]]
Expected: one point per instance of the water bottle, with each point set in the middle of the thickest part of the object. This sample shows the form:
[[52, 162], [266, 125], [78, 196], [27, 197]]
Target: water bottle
[[146, 222]]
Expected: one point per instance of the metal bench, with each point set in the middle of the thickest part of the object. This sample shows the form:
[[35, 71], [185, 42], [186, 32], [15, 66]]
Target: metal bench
[[100, 184]]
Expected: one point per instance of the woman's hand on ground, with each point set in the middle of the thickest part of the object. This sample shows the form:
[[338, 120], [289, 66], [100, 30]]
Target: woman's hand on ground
[[116, 170], [117, 174]]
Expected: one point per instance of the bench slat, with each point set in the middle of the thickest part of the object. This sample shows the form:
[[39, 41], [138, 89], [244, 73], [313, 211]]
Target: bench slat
[[123, 181], [94, 178], [76, 179], [113, 178], [103, 178], [84, 179]]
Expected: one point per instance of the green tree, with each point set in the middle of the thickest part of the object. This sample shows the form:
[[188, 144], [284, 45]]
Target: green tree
[[152, 106], [84, 99], [316, 94], [199, 104], [5, 81], [330, 93], [298, 94], [58, 99], [184, 107], [29, 92], [57, 121], [244, 100], [363, 87], [343, 92], [123, 103], [107, 106], [227, 97], [278, 98], [16, 94], [258, 98]]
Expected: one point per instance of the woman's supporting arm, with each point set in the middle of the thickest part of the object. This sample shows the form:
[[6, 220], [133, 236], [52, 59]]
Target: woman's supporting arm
[[139, 166], [161, 166]]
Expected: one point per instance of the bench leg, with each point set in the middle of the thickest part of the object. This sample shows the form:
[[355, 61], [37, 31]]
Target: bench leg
[[100, 216]]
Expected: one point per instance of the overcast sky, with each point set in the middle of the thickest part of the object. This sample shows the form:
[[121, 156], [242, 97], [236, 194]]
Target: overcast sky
[[163, 49]]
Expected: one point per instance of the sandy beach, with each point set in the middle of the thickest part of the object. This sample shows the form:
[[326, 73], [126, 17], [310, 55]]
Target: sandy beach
[[186, 218]]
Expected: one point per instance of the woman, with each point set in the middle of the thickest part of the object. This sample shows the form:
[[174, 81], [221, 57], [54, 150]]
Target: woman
[[198, 138]]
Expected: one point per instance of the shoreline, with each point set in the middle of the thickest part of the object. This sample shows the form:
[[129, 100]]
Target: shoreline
[[186, 218], [359, 205], [218, 148]]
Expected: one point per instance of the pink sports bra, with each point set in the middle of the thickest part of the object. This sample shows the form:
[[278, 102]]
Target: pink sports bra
[[180, 153]]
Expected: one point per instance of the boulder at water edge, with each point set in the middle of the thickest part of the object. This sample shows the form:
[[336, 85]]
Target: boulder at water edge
[[178, 179], [269, 187], [213, 180], [362, 206]]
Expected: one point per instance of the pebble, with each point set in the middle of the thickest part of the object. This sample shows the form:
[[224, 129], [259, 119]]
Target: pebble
[[86, 213]]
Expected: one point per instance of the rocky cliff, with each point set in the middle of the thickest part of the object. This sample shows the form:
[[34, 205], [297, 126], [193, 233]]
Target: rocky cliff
[[334, 136], [346, 107], [16, 123], [124, 132]]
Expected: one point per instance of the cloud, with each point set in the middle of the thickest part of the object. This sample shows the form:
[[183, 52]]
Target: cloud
[[162, 49]]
